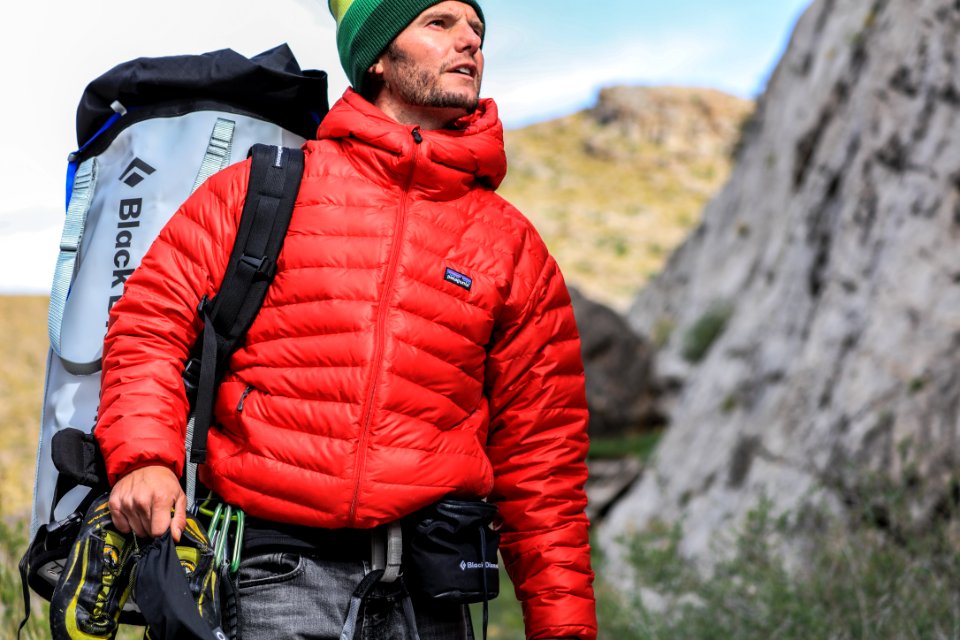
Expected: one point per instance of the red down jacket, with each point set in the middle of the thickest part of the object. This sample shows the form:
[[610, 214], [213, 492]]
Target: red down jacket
[[417, 341]]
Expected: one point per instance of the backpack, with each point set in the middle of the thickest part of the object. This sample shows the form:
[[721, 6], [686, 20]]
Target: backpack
[[151, 131]]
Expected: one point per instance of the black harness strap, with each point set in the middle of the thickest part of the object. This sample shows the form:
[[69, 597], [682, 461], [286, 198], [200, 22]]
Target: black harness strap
[[275, 175]]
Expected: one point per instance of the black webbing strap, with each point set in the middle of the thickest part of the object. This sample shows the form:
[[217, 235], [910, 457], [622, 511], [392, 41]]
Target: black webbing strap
[[486, 586], [351, 625], [275, 175], [78, 460]]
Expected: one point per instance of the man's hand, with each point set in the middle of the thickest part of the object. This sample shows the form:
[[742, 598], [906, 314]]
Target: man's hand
[[148, 501]]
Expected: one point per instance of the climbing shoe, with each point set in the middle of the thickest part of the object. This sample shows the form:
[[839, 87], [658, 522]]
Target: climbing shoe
[[90, 595], [197, 560]]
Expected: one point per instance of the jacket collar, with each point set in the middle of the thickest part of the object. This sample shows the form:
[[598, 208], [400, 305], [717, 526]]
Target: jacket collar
[[444, 165]]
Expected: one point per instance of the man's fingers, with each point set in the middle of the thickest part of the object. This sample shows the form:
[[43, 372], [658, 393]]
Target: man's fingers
[[160, 515], [125, 514], [179, 517], [140, 522], [119, 520], [138, 516]]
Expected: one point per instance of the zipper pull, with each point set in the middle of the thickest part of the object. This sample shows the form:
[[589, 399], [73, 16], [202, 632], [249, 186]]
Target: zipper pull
[[243, 397], [416, 135]]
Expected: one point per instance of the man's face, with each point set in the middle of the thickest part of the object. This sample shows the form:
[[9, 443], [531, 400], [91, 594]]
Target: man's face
[[436, 62]]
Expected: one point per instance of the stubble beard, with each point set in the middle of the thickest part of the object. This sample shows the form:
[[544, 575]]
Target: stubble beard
[[420, 88]]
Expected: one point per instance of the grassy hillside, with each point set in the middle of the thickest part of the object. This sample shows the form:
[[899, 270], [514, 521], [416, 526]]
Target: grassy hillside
[[613, 190]]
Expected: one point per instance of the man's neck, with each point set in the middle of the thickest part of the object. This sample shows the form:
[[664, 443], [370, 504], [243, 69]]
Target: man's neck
[[425, 117]]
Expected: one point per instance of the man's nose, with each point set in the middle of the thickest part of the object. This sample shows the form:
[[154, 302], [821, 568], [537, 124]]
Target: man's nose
[[467, 38]]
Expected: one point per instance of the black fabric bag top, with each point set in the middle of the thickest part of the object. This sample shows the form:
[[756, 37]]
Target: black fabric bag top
[[270, 85], [450, 552]]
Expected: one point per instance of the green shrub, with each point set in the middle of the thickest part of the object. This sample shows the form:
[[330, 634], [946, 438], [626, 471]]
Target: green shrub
[[638, 445], [705, 331], [857, 582]]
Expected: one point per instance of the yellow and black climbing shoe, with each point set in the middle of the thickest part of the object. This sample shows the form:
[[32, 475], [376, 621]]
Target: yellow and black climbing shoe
[[197, 559], [95, 583]]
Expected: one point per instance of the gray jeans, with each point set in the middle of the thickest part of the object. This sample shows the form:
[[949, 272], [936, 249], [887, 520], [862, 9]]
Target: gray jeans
[[289, 595]]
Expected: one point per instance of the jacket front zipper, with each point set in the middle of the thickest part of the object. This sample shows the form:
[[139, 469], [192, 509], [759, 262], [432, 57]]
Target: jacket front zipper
[[381, 328]]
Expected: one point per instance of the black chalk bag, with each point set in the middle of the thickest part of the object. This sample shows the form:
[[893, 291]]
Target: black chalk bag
[[450, 551]]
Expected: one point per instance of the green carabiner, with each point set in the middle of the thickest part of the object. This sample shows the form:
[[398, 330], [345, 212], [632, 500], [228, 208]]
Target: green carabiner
[[221, 520], [214, 522], [220, 544], [238, 541]]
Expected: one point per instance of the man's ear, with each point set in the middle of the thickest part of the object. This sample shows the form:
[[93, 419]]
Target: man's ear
[[373, 81]]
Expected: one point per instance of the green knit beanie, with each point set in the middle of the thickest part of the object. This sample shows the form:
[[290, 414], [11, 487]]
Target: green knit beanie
[[366, 27]]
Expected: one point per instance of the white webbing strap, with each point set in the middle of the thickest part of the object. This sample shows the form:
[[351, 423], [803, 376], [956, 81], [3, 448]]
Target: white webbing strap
[[217, 156], [84, 183], [190, 472]]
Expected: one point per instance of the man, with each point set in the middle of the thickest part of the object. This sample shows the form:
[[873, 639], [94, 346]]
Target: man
[[417, 342]]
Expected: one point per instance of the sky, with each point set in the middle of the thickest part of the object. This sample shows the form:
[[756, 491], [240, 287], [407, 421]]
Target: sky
[[544, 59]]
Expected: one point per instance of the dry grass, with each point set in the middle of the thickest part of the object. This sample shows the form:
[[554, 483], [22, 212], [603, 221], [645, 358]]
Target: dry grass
[[23, 322]]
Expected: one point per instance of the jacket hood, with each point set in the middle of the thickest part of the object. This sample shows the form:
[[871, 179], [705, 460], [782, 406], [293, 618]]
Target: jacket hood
[[458, 158]]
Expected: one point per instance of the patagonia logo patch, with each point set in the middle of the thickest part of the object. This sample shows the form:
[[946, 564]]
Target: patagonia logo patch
[[458, 279]]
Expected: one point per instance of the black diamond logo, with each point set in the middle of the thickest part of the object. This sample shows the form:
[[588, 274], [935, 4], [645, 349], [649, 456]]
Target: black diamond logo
[[134, 173]]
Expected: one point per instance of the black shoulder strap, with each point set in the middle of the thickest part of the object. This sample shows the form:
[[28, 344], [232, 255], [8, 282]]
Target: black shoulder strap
[[275, 175]]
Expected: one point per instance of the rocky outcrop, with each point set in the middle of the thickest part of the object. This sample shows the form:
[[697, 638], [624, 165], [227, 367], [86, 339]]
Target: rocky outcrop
[[621, 388], [684, 123], [833, 250]]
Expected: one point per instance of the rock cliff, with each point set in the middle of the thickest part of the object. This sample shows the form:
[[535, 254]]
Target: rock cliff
[[813, 317]]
